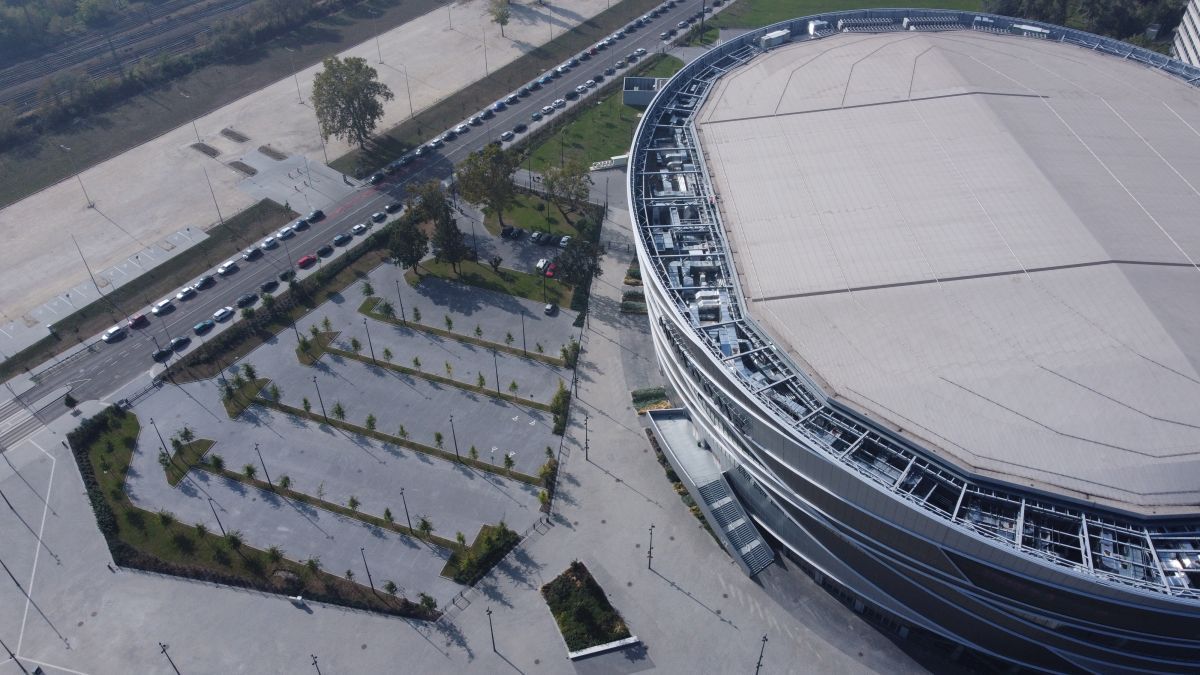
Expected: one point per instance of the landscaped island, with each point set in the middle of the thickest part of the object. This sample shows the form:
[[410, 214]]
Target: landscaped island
[[583, 613]]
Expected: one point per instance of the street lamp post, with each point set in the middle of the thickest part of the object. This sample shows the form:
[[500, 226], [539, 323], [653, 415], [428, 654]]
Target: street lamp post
[[401, 299], [762, 649], [13, 656], [491, 630], [369, 343], [449, 18], [214, 195], [650, 551], [214, 510], [406, 516], [292, 61], [585, 437], [264, 465], [408, 90], [320, 400], [163, 648], [454, 436], [160, 438], [90, 204], [524, 349], [314, 658], [363, 551], [496, 365]]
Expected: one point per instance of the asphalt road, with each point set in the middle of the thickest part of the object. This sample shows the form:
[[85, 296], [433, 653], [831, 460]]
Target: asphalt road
[[108, 368]]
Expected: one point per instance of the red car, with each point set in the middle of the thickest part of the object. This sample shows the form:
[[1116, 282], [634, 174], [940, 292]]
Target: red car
[[138, 320], [550, 269], [307, 261]]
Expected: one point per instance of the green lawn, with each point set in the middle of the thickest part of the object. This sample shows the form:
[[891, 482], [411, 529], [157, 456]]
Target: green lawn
[[603, 130], [757, 13], [532, 212], [584, 615], [529, 286]]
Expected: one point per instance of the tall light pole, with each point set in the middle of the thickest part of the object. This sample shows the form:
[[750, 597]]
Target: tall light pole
[[214, 510], [406, 516], [314, 664], [407, 90], [363, 551], [524, 350], [762, 649], [264, 465], [160, 438], [491, 630], [496, 365], [449, 18], [585, 437], [455, 437], [90, 204], [163, 648], [295, 77], [214, 195], [485, 63], [401, 299], [320, 400], [13, 656], [650, 551], [369, 343]]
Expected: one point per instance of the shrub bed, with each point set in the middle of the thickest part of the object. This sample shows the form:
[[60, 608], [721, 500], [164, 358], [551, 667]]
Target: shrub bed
[[583, 613], [467, 565]]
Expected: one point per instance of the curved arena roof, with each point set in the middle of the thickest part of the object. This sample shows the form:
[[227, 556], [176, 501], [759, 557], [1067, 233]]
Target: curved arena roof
[[987, 244]]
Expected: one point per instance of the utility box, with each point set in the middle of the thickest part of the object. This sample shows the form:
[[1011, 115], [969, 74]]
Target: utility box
[[815, 27], [775, 38]]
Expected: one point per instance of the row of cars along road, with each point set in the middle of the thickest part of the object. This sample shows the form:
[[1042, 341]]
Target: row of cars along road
[[108, 369]]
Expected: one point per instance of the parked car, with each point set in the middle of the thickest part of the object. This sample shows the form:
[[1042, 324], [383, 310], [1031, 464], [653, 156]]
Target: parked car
[[378, 216], [252, 254], [285, 233], [541, 264], [620, 63], [562, 243], [475, 121], [520, 128], [268, 243], [393, 207], [162, 307], [513, 99], [325, 251], [161, 354], [599, 77], [507, 136], [138, 320], [450, 135], [550, 310], [571, 95], [203, 327], [180, 343], [268, 286], [359, 228], [247, 300], [498, 106], [535, 85], [461, 129], [589, 84], [300, 225], [609, 70], [228, 267], [550, 269], [560, 103], [376, 178], [437, 142], [582, 89], [537, 115], [342, 239], [113, 334], [204, 282], [222, 314], [547, 110], [185, 293], [306, 261], [536, 236], [545, 80], [639, 51], [315, 215]]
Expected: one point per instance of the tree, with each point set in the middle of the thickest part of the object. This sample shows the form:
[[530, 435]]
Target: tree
[[248, 313], [274, 554], [217, 462], [567, 186], [461, 539], [385, 308], [387, 516], [402, 432], [438, 438], [512, 386], [486, 177], [326, 324], [473, 453], [449, 369], [387, 355], [164, 460], [424, 526], [428, 202], [390, 587], [349, 575], [478, 331], [428, 602], [407, 246], [495, 261], [305, 344], [480, 381], [70, 401], [306, 404], [355, 345], [449, 242], [449, 322], [371, 422], [268, 301], [250, 371], [353, 503], [348, 99], [416, 363], [367, 289], [508, 339], [313, 564], [234, 538], [508, 460], [250, 470], [500, 13], [274, 392], [285, 481], [339, 411], [416, 314], [579, 262]]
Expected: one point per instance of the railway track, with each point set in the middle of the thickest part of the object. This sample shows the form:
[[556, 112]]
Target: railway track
[[160, 31]]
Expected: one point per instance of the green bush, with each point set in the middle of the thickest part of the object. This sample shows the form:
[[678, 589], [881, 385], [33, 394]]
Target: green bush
[[560, 405], [488, 549], [582, 611]]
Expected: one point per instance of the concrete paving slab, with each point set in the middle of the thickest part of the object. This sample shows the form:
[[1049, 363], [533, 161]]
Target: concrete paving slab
[[131, 212]]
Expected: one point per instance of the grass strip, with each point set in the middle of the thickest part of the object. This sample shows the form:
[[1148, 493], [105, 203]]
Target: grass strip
[[582, 611], [402, 442], [240, 231], [457, 107], [316, 346], [103, 448], [442, 380], [534, 287], [329, 506], [189, 455], [369, 304], [236, 398]]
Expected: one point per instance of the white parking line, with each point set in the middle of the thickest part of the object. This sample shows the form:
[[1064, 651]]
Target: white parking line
[[38, 551]]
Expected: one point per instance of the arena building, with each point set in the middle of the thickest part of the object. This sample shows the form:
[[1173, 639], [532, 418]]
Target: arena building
[[925, 286]]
